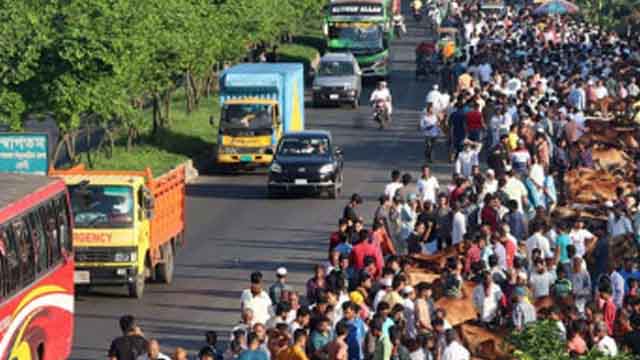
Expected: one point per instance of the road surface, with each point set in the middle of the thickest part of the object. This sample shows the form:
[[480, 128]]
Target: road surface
[[233, 229]]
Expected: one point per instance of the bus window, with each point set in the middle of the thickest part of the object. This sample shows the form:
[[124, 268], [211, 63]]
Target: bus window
[[36, 229], [48, 215], [25, 252], [62, 209], [4, 271]]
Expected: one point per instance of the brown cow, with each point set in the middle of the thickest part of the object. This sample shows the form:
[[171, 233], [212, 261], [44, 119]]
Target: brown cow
[[416, 276], [484, 343], [611, 159], [459, 310]]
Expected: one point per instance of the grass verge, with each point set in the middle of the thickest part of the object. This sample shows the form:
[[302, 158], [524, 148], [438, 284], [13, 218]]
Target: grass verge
[[189, 136]]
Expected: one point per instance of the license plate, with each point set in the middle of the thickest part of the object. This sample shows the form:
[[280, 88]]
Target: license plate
[[301, 182], [246, 158], [81, 277], [334, 96]]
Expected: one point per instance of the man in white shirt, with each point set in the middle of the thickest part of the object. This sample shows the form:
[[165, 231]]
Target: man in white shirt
[[581, 237], [537, 241], [459, 224], [468, 157], [454, 350], [487, 306], [428, 186], [604, 343], [153, 352], [515, 190], [381, 93], [256, 299], [391, 188]]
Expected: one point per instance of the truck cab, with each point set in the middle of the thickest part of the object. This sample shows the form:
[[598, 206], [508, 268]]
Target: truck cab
[[258, 104], [246, 130], [112, 226], [127, 225]]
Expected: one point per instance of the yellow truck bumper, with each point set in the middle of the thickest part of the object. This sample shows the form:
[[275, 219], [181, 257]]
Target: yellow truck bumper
[[105, 273], [242, 159]]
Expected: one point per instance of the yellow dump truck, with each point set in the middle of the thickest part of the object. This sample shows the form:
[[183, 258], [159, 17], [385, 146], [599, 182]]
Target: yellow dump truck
[[127, 225]]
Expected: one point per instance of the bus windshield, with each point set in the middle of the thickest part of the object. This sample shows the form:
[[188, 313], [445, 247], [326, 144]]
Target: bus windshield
[[102, 206], [354, 36]]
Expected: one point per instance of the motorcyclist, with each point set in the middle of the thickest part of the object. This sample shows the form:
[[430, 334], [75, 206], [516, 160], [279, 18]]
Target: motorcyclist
[[416, 7], [398, 22], [381, 93]]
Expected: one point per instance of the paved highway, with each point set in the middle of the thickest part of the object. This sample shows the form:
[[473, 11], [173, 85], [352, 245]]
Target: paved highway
[[233, 229]]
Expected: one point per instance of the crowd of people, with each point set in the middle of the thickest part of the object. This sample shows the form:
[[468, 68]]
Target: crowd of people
[[522, 92]]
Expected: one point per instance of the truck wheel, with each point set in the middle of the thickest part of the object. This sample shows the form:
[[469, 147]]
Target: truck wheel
[[136, 288], [164, 271]]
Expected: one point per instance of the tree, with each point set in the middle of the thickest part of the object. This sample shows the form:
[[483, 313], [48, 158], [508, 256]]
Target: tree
[[542, 341]]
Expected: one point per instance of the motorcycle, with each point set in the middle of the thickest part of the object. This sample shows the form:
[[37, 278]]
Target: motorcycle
[[381, 113]]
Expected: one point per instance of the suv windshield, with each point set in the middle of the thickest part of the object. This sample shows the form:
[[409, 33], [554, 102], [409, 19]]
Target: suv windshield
[[102, 206], [335, 68], [246, 116], [304, 147]]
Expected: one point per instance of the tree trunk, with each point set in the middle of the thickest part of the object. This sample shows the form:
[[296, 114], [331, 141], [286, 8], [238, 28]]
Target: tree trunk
[[195, 90], [167, 108], [57, 151], [71, 147], [89, 147], [156, 115], [111, 145], [188, 92], [130, 135]]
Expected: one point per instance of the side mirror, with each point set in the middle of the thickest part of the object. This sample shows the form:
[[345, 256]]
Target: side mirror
[[338, 151]]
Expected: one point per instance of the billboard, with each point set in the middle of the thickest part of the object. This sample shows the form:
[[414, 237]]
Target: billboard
[[25, 153]]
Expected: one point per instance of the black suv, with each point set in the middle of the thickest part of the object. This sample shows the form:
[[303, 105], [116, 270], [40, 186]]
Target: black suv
[[306, 160]]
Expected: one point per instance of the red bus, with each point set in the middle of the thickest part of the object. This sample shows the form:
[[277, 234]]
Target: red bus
[[36, 269]]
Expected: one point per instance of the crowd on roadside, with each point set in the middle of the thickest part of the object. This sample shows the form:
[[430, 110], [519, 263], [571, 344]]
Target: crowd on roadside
[[521, 98]]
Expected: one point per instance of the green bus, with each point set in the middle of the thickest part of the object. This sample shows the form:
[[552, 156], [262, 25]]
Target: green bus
[[364, 28]]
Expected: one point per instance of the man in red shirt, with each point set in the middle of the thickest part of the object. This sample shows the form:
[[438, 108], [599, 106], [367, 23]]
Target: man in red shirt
[[473, 255], [475, 123], [606, 305], [363, 248], [509, 248]]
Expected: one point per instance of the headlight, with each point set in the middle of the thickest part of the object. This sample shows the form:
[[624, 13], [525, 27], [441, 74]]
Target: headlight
[[317, 87], [382, 62], [228, 150], [275, 167], [326, 169], [125, 256]]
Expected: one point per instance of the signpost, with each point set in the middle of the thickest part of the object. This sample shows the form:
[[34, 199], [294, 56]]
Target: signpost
[[25, 153]]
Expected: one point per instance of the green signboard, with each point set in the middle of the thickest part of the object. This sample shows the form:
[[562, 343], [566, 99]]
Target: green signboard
[[25, 153]]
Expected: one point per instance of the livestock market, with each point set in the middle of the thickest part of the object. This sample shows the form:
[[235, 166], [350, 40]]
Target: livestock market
[[540, 224], [531, 247]]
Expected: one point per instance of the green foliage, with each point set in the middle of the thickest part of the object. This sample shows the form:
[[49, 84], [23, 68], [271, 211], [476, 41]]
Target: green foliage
[[611, 14], [191, 136], [105, 60], [542, 341]]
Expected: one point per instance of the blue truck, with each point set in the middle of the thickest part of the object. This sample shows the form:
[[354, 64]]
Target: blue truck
[[259, 103]]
